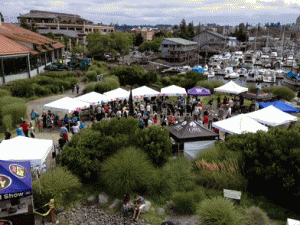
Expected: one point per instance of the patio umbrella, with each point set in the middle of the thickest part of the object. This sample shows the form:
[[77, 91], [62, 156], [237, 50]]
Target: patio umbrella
[[199, 91]]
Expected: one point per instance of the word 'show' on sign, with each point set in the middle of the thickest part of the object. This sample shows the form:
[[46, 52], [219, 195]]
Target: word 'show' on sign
[[234, 196]]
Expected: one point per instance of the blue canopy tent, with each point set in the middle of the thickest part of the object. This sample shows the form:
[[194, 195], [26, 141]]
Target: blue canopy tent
[[280, 105], [15, 192], [291, 74], [199, 91]]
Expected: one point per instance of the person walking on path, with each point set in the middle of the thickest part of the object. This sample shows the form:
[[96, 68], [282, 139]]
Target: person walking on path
[[7, 134], [77, 87], [33, 115], [19, 131], [44, 116], [25, 127], [31, 130]]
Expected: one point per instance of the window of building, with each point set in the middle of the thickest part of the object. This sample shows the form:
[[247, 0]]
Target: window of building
[[15, 65], [166, 46]]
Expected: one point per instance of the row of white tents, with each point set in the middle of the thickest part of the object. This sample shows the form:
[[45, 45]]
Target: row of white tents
[[69, 105]]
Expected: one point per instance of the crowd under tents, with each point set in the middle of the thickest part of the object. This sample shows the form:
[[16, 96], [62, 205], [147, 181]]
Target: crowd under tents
[[93, 98], [231, 88], [144, 91], [272, 116], [16, 202], [199, 91], [194, 137], [67, 105], [117, 94], [37, 151], [239, 124], [280, 105], [173, 90], [258, 95]]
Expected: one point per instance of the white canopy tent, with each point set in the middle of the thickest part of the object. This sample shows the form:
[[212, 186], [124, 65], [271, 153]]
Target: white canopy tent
[[231, 88], [144, 91], [37, 151], [67, 105], [117, 94], [239, 124], [272, 116], [173, 90], [93, 98]]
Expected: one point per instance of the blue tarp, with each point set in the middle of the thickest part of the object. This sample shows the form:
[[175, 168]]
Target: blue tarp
[[280, 105], [199, 70], [15, 179]]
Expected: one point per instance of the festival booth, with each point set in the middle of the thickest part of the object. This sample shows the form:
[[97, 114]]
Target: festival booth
[[199, 91], [117, 94], [280, 105], [272, 116], [40, 152], [67, 105], [173, 90], [239, 124], [231, 88], [93, 98], [192, 138], [16, 202], [144, 92]]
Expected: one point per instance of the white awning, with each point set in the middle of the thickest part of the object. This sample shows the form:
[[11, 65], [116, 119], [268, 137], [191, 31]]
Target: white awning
[[93, 98], [231, 88], [173, 90], [272, 116], [239, 124], [67, 105], [117, 94], [144, 91]]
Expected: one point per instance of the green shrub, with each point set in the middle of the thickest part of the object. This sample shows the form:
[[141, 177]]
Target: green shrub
[[91, 75], [93, 68], [284, 92], [218, 211], [102, 64], [267, 89], [187, 202], [89, 87], [155, 141], [7, 122], [166, 81], [59, 184], [16, 111], [126, 171], [256, 216], [22, 90], [42, 91], [251, 88], [4, 92], [71, 80], [106, 85], [173, 177]]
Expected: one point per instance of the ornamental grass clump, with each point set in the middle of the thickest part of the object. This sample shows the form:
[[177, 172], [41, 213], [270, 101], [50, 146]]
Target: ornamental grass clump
[[256, 216], [221, 175], [218, 211]]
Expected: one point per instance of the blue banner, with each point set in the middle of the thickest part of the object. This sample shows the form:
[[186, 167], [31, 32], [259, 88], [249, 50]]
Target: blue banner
[[15, 179]]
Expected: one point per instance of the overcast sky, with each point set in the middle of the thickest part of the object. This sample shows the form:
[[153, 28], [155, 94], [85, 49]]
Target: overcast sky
[[136, 12]]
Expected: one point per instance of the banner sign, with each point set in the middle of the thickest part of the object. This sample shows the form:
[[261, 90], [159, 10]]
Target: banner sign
[[15, 179]]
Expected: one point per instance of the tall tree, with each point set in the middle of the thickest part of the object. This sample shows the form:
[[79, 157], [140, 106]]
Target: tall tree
[[2, 19], [139, 39], [51, 35], [190, 30], [183, 29]]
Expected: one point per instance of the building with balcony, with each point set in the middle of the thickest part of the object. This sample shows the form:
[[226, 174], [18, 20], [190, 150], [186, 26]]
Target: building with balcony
[[212, 41], [24, 54], [178, 49], [147, 33], [59, 24]]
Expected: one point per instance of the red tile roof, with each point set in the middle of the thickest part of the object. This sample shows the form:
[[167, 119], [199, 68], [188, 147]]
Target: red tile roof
[[18, 33], [10, 47], [58, 45]]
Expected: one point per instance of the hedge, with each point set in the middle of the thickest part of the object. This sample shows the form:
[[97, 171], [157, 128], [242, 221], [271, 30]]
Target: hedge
[[91, 75], [284, 92]]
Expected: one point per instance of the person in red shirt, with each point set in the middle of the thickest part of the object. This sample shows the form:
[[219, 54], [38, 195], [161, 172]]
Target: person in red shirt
[[171, 120], [155, 119], [206, 120], [106, 108], [25, 127]]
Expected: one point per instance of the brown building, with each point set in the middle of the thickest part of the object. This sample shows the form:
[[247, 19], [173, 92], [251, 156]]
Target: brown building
[[61, 24], [23, 53]]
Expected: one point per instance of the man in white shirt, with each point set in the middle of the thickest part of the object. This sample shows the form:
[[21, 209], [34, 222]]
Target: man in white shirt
[[148, 108], [119, 114], [142, 108], [229, 112], [75, 129]]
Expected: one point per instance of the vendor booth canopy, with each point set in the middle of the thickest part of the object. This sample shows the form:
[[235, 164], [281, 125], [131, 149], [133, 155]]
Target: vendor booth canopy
[[199, 91], [117, 94], [194, 136], [272, 116], [231, 88], [144, 91], [239, 124], [258, 94], [198, 69], [93, 98], [23, 148], [173, 90], [67, 105], [280, 105], [15, 179]]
